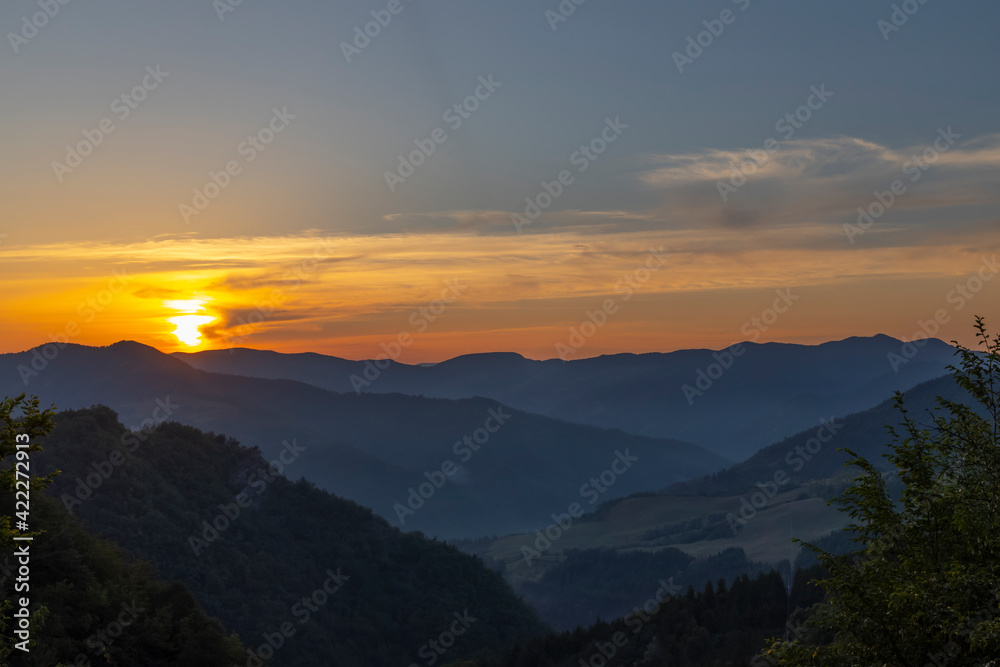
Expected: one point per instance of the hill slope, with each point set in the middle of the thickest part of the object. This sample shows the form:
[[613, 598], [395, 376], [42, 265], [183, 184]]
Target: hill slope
[[793, 385], [756, 506], [270, 556], [864, 432], [103, 606], [380, 450]]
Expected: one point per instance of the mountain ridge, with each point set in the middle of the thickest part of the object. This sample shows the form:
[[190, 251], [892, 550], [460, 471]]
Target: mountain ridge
[[659, 394], [372, 448]]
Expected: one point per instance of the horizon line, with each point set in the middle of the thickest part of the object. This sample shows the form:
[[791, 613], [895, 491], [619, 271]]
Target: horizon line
[[383, 356]]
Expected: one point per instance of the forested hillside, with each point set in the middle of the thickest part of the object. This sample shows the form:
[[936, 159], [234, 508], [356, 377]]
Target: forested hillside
[[347, 588], [91, 603], [103, 606], [592, 584], [722, 626]]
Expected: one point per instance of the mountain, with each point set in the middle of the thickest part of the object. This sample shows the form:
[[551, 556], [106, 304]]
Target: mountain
[[766, 392], [755, 506], [805, 459], [452, 468], [300, 574], [102, 606]]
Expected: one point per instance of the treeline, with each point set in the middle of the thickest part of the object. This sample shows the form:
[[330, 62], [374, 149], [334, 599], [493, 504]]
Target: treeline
[[593, 584], [721, 626]]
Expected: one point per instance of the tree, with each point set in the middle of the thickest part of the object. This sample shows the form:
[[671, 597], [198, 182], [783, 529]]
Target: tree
[[924, 585], [19, 417]]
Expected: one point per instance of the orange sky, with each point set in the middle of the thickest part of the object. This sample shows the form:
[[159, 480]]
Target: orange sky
[[121, 117], [349, 296]]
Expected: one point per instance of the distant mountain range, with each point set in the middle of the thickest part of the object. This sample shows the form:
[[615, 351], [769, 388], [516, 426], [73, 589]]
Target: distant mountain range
[[730, 404], [452, 468], [751, 509], [864, 432], [452, 458]]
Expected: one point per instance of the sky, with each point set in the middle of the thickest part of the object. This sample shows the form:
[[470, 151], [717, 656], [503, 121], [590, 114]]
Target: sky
[[557, 180]]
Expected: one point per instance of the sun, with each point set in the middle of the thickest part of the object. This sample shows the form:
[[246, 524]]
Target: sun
[[188, 324]]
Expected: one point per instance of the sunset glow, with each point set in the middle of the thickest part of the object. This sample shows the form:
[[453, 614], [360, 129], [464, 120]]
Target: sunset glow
[[259, 214], [188, 324], [710, 259]]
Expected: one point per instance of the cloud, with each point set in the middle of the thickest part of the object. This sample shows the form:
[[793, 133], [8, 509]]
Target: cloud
[[231, 252], [831, 160], [806, 184], [155, 293], [528, 282], [824, 181], [238, 323], [843, 165], [459, 221]]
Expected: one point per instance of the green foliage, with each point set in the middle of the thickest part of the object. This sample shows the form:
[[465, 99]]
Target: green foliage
[[718, 627], [20, 416], [82, 586], [402, 589], [87, 585], [923, 586], [592, 584]]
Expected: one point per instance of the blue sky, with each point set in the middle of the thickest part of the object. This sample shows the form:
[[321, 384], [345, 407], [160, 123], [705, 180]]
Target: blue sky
[[657, 183]]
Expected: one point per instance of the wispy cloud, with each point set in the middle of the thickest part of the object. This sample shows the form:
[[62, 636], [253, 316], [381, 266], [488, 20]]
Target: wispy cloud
[[832, 160]]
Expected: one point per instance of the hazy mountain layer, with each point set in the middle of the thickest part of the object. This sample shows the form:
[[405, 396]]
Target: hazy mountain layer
[[452, 468], [733, 401]]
